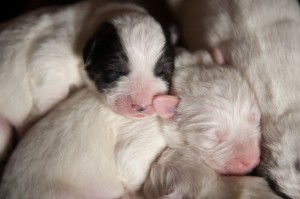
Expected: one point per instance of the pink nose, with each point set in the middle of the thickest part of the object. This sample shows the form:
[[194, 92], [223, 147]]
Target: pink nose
[[139, 108], [243, 165]]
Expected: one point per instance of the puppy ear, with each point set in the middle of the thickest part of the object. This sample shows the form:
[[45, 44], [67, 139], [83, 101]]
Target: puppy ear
[[166, 105]]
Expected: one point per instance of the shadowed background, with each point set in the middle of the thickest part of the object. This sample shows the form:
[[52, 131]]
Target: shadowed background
[[12, 8]]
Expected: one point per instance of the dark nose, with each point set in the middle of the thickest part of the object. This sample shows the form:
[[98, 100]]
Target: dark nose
[[139, 108]]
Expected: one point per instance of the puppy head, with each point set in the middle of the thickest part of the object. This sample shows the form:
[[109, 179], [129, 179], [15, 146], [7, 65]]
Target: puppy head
[[130, 60], [217, 114]]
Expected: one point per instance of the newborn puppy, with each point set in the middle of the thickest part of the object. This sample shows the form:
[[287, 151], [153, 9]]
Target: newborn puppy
[[125, 51], [82, 149], [135, 63], [219, 121], [111, 155], [117, 48], [218, 115], [260, 39]]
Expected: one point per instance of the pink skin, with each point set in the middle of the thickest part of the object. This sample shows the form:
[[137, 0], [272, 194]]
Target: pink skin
[[242, 162], [246, 153], [165, 105], [127, 107], [217, 56], [136, 96], [5, 136], [5, 125]]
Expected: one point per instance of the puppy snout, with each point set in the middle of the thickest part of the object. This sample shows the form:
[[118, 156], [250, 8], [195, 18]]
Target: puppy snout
[[243, 165], [139, 108]]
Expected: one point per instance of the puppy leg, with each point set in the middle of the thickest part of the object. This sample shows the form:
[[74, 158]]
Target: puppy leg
[[281, 153], [180, 174]]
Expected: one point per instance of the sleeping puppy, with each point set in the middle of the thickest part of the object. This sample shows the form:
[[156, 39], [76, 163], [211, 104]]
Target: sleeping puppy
[[219, 124], [125, 51], [260, 39], [82, 149], [218, 115], [117, 49]]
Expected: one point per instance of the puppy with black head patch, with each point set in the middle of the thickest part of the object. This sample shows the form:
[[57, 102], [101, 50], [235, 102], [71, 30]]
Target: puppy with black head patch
[[118, 49], [136, 63]]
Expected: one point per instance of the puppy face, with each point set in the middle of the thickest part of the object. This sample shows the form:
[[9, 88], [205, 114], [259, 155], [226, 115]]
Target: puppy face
[[131, 61], [219, 117]]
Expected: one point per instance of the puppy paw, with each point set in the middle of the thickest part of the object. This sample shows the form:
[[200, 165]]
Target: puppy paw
[[255, 188]]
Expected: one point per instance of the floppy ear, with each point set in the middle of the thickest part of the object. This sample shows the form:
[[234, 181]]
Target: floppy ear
[[165, 105]]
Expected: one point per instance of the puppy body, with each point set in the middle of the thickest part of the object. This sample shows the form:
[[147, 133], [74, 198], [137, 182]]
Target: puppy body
[[117, 49], [43, 61], [82, 150], [260, 39], [111, 155], [218, 119], [179, 173]]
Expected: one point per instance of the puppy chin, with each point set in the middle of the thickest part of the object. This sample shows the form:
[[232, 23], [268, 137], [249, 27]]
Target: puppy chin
[[227, 171]]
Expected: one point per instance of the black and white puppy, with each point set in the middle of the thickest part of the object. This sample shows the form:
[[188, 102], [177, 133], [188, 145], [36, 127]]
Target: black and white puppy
[[131, 61], [116, 48]]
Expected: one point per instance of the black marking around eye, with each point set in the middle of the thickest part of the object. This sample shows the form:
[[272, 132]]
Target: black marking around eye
[[165, 65], [105, 57]]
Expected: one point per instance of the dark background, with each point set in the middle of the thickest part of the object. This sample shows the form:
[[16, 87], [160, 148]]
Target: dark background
[[12, 8]]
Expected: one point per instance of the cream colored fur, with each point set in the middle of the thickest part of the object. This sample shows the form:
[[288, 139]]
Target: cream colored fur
[[82, 149], [261, 40], [186, 171]]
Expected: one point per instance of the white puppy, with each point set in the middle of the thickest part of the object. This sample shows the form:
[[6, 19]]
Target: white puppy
[[117, 49], [82, 149], [218, 115], [261, 40], [218, 119]]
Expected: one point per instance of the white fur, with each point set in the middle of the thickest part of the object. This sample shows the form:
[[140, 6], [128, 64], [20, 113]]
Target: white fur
[[41, 58], [180, 174], [82, 150], [144, 42], [218, 114], [214, 98], [261, 39]]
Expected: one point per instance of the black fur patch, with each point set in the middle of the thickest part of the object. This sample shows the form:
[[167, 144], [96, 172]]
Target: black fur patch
[[105, 58]]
